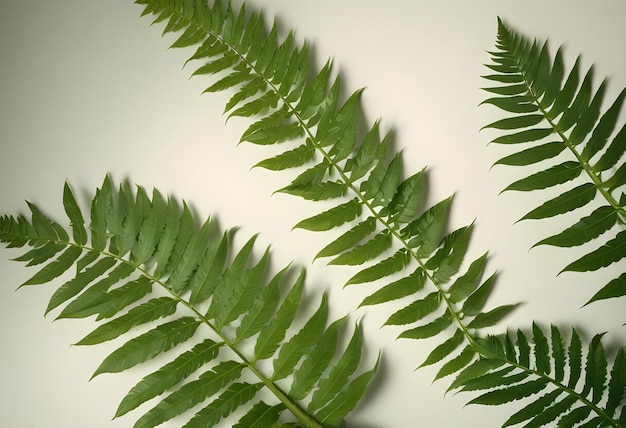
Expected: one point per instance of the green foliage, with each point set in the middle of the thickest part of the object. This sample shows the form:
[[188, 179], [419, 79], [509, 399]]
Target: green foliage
[[387, 224], [552, 376], [400, 243], [144, 263], [557, 123]]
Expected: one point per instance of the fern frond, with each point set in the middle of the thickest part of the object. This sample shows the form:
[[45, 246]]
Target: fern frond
[[145, 262], [319, 132], [387, 226], [561, 382], [560, 124]]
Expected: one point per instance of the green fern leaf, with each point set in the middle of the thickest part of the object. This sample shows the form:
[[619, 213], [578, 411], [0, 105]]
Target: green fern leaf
[[416, 310], [384, 268], [575, 416], [613, 152], [243, 293], [492, 317], [331, 218], [515, 104], [169, 375], [457, 363], [542, 358], [274, 333], [317, 362], [575, 358], [349, 239], [445, 349], [408, 198], [368, 153], [532, 378], [377, 186], [570, 112], [236, 395], [316, 191], [168, 238], [148, 345], [293, 351], [335, 411], [73, 212], [465, 285], [364, 252], [595, 369], [148, 311], [611, 252], [289, 159], [185, 233], [532, 155], [261, 310], [206, 277], [260, 416], [342, 133], [573, 112], [616, 180], [189, 256], [395, 290], [80, 281], [272, 130], [191, 394], [552, 176], [476, 301], [512, 393], [617, 383], [517, 122], [339, 374], [568, 201], [39, 255], [383, 190], [532, 410], [99, 300], [453, 253], [588, 228], [615, 288], [45, 227], [55, 268], [429, 330], [494, 379], [605, 127], [426, 231], [150, 230], [558, 354], [475, 370]]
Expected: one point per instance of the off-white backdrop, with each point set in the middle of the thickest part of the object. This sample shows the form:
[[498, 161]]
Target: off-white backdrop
[[87, 87]]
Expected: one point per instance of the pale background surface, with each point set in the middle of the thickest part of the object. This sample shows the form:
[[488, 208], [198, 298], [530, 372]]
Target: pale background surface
[[86, 88]]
